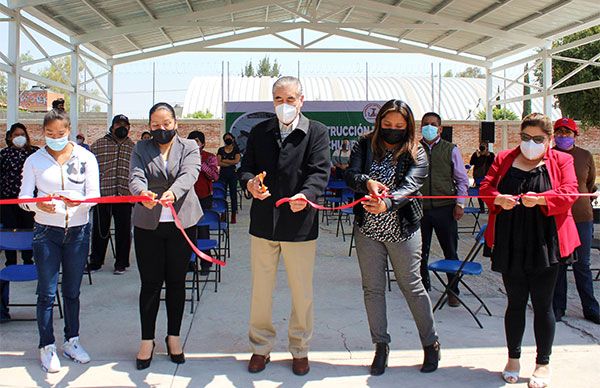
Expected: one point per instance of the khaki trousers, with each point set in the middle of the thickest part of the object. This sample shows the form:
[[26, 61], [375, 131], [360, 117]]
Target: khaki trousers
[[299, 260]]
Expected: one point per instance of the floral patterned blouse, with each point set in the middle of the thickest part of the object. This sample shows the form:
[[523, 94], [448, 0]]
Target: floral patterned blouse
[[11, 167]]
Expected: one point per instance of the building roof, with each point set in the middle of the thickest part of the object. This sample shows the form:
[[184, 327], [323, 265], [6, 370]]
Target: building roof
[[471, 31], [461, 98]]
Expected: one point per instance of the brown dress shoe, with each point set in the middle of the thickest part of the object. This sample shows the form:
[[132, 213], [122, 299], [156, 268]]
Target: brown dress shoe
[[257, 363], [453, 301], [300, 366]]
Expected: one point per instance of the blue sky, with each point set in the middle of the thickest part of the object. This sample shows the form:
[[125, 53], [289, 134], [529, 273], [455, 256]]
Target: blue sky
[[133, 82]]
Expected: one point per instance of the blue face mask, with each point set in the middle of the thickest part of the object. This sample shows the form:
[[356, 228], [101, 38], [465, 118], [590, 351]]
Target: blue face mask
[[57, 144], [430, 132]]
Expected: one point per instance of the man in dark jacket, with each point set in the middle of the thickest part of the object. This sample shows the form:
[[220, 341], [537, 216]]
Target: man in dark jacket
[[294, 153]]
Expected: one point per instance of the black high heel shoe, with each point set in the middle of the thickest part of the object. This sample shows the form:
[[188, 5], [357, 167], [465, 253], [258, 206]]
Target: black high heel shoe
[[382, 350], [176, 358], [432, 357], [143, 364]]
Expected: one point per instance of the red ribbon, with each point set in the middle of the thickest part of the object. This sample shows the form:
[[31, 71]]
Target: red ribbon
[[123, 199], [365, 198]]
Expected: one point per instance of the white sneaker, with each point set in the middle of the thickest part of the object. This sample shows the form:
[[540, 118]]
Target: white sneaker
[[72, 349], [49, 359]]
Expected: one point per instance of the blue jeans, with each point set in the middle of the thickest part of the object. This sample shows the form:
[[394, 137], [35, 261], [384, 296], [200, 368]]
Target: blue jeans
[[54, 247], [583, 276]]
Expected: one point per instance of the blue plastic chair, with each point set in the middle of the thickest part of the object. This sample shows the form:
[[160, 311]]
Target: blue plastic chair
[[212, 219], [221, 206], [475, 211], [219, 193], [212, 246], [17, 240], [460, 268]]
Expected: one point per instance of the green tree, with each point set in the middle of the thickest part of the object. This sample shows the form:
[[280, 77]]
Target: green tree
[[526, 91], [582, 105], [61, 73], [265, 69], [448, 73], [498, 114], [23, 85], [200, 115], [471, 72], [248, 70]]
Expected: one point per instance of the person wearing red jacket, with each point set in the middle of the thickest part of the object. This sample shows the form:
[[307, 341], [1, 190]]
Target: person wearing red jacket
[[209, 172], [530, 231]]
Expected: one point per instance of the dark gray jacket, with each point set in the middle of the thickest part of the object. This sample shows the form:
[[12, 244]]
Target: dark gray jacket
[[147, 172], [298, 164], [410, 176]]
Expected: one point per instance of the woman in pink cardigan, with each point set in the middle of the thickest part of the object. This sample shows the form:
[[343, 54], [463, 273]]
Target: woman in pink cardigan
[[530, 230]]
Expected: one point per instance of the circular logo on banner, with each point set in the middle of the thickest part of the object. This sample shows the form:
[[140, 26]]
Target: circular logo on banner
[[370, 112]]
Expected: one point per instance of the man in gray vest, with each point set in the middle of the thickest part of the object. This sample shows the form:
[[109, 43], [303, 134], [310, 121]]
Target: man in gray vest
[[447, 177]]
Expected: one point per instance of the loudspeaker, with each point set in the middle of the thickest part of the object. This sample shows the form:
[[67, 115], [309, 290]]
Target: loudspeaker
[[447, 133], [487, 132]]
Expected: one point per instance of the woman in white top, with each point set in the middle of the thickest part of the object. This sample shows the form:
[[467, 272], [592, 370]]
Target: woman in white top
[[61, 233]]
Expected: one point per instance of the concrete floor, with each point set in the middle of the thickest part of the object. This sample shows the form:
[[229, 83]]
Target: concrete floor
[[216, 343]]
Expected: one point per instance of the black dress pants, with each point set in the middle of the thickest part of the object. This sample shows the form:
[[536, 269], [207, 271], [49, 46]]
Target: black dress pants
[[519, 287], [441, 220], [163, 256], [121, 212]]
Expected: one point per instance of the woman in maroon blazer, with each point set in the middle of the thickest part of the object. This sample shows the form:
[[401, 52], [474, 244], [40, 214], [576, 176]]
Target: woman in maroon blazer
[[530, 230]]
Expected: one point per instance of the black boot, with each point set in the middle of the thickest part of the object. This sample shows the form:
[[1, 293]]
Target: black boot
[[432, 357], [380, 360]]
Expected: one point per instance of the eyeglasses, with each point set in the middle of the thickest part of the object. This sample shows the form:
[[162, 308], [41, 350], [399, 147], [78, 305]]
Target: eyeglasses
[[536, 139]]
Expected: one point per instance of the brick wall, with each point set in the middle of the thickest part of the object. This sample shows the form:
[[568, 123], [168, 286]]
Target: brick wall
[[94, 129], [465, 133]]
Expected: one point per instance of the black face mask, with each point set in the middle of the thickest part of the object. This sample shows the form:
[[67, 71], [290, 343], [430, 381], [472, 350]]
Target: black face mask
[[229, 141], [121, 132], [394, 136], [163, 136], [481, 148]]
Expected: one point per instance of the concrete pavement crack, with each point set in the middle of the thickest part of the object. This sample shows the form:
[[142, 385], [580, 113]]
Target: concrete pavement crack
[[583, 332], [344, 339]]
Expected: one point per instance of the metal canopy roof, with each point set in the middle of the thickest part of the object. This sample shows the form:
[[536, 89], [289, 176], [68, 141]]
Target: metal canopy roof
[[477, 32]]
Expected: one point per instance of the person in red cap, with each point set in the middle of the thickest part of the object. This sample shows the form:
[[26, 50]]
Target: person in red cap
[[565, 133]]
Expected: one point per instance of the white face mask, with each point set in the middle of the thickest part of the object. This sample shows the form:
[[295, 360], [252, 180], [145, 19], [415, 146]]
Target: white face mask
[[286, 113], [19, 141], [531, 150]]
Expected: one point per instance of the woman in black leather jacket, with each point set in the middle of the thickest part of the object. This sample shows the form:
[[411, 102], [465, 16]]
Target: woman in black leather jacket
[[390, 160]]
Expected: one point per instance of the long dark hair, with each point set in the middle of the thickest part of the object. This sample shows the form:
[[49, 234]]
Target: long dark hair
[[411, 144], [9, 133]]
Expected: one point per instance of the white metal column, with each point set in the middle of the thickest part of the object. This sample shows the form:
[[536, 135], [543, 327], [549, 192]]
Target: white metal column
[[111, 96], [14, 78], [489, 92], [74, 93], [547, 78]]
